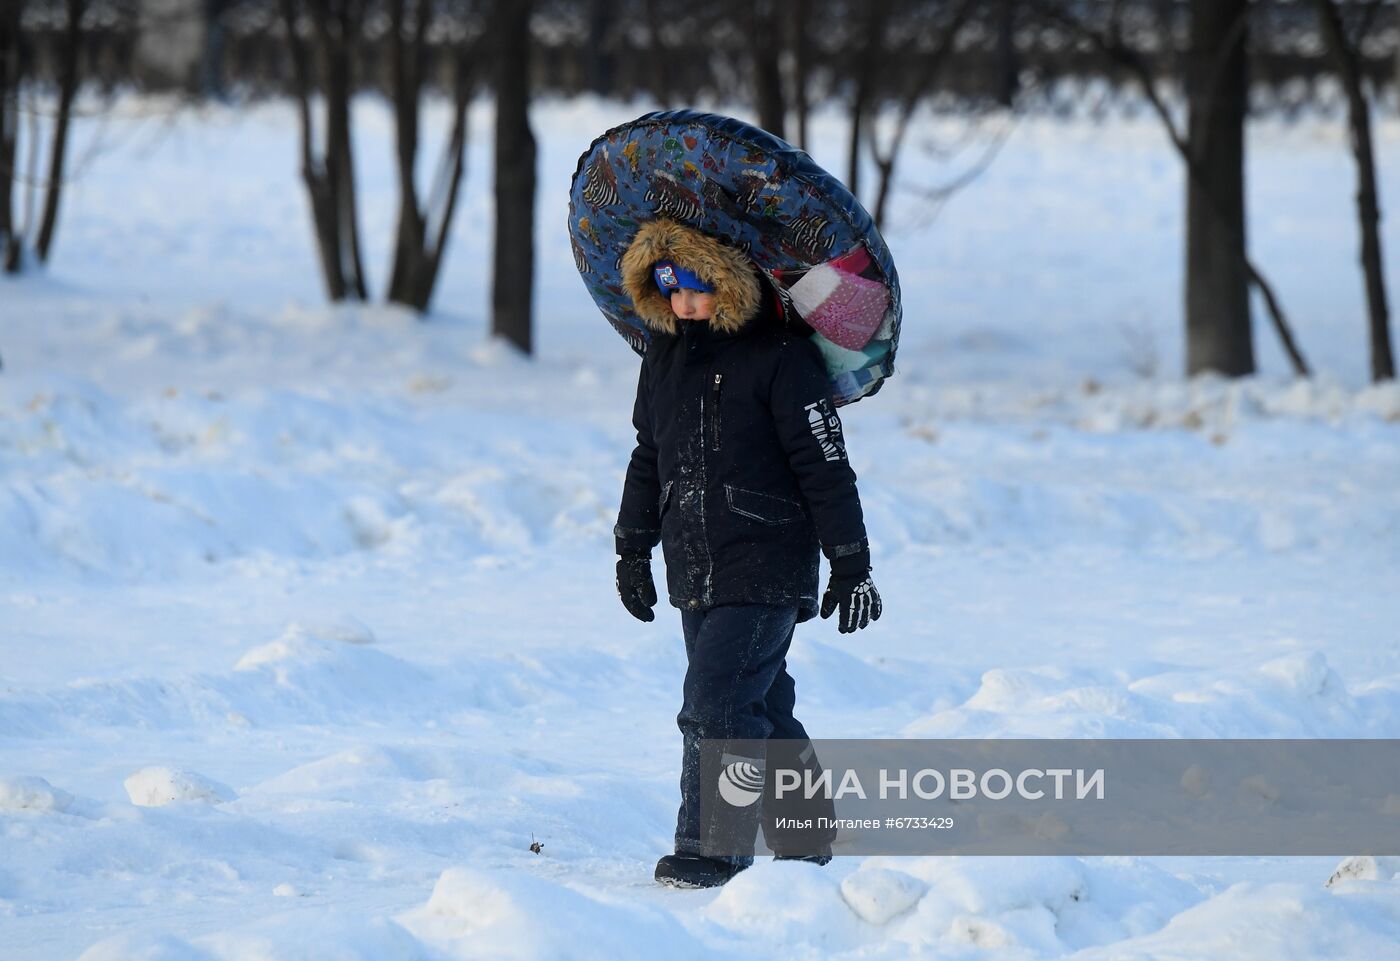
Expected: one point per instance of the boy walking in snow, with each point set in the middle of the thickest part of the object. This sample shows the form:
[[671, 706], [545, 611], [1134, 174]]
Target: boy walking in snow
[[740, 472]]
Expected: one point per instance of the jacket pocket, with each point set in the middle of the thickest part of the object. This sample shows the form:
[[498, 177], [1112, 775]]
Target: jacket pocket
[[761, 507], [665, 499]]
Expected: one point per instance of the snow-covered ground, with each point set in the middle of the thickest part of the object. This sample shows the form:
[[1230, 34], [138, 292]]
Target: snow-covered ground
[[307, 622]]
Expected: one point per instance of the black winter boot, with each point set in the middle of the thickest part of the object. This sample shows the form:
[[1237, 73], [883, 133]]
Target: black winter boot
[[695, 871]]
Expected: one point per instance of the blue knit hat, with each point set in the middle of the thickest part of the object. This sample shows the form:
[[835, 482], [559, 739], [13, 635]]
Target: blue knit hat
[[671, 277]]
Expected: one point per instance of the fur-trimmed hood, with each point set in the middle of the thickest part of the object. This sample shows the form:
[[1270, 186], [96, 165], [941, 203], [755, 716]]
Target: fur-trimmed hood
[[732, 275]]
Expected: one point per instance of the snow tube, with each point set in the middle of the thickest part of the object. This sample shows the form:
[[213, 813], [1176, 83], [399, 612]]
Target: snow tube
[[808, 235]]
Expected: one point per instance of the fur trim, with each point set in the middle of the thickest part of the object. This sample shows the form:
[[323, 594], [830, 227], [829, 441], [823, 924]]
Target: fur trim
[[727, 270]]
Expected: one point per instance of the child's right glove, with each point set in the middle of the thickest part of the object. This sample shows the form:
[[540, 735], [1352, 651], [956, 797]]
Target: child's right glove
[[635, 586], [851, 588]]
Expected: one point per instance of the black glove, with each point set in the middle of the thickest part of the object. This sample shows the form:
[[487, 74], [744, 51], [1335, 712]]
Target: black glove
[[635, 586], [851, 588]]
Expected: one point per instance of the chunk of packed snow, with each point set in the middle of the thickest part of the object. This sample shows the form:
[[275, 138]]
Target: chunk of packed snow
[[878, 894], [157, 786], [32, 794], [786, 901], [478, 913], [139, 947], [1366, 867], [1277, 922], [345, 628]]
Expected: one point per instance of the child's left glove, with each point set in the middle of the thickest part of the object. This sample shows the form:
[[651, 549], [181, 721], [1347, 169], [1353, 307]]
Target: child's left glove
[[851, 589], [635, 586]]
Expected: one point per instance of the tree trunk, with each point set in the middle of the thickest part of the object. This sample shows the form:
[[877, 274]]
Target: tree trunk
[[405, 58], [872, 35], [765, 48], [1218, 334], [68, 89], [801, 65], [329, 175], [340, 158], [422, 229], [1165, 17], [1008, 61], [601, 69], [656, 53], [9, 117], [454, 161], [312, 171], [513, 273], [14, 254], [1367, 197]]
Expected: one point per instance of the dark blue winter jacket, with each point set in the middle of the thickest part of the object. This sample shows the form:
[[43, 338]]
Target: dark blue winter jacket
[[740, 468]]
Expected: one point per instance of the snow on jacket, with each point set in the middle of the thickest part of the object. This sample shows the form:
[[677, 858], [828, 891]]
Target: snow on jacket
[[740, 468]]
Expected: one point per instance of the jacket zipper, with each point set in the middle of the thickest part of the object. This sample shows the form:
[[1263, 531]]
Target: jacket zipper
[[714, 412]]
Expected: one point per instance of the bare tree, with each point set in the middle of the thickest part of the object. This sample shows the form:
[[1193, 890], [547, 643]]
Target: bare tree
[[514, 268], [1008, 62], [9, 126], [931, 64], [876, 19], [67, 90], [764, 29], [69, 58], [1345, 56], [1110, 44], [1218, 331], [660, 78], [801, 45], [422, 232], [329, 173], [602, 23]]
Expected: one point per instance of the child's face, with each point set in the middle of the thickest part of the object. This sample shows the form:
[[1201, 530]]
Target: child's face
[[690, 304]]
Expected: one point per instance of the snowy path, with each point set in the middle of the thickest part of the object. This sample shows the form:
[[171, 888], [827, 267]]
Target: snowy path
[[341, 582]]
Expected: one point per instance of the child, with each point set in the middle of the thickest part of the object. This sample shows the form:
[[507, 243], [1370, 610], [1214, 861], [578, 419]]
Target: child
[[741, 473]]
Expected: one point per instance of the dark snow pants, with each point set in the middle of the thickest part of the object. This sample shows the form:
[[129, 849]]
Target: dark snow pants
[[736, 687]]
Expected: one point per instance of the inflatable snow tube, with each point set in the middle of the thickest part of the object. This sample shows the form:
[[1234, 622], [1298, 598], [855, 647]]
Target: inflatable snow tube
[[808, 235]]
